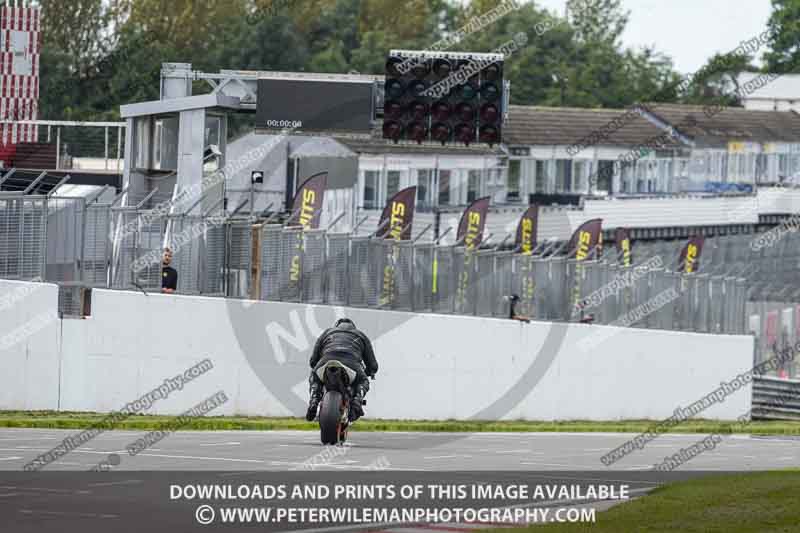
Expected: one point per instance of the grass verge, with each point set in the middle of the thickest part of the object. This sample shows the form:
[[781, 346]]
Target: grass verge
[[71, 420], [738, 503]]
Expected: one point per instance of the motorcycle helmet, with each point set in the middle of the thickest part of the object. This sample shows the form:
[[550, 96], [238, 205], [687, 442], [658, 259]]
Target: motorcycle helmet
[[344, 323]]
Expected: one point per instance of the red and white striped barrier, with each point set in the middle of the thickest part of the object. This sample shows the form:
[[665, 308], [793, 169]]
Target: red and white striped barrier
[[20, 47]]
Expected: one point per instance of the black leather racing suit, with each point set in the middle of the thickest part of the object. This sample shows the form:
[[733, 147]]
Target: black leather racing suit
[[352, 348]]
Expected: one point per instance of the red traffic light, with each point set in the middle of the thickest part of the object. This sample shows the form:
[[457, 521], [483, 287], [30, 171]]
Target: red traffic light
[[489, 135], [417, 131], [392, 110], [440, 111], [443, 97], [489, 113], [465, 112], [465, 133], [440, 132], [392, 130], [418, 111]]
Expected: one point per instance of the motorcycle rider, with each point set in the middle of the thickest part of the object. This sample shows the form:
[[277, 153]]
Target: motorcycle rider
[[351, 347]]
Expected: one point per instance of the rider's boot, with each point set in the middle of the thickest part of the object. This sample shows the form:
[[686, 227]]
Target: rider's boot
[[314, 397], [356, 408]]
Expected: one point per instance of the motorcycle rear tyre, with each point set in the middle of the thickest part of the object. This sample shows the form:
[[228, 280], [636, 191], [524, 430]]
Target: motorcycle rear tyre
[[330, 416]]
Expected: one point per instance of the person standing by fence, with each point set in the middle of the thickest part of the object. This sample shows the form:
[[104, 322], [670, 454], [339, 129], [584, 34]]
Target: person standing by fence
[[169, 276]]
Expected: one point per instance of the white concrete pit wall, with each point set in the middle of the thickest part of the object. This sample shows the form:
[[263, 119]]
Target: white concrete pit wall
[[29, 346], [432, 366]]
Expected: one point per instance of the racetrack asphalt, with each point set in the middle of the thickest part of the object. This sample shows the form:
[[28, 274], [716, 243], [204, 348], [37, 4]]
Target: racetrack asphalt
[[136, 494], [292, 450]]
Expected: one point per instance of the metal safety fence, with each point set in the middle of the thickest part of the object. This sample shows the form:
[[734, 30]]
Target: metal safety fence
[[364, 271], [23, 237], [770, 264], [82, 242], [775, 399], [65, 145]]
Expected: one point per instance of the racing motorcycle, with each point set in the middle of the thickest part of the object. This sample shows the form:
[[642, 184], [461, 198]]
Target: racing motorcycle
[[334, 410]]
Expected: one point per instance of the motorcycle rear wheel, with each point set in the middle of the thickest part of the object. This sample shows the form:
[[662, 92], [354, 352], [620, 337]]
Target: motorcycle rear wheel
[[330, 417]]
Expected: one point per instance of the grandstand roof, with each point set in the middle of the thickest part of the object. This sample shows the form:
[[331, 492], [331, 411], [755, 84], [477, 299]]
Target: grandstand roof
[[729, 124], [547, 126]]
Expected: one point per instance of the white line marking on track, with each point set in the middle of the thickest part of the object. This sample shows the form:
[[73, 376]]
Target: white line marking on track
[[125, 482], [601, 479], [9, 494], [31, 438], [245, 473], [546, 464], [222, 444], [201, 458], [40, 489], [77, 450], [60, 513], [446, 456], [512, 451], [10, 458]]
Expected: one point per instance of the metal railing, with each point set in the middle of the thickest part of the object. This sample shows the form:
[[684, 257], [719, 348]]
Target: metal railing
[[23, 237], [364, 271], [220, 253], [775, 399], [64, 146]]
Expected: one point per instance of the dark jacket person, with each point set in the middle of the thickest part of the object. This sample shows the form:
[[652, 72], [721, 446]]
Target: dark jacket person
[[169, 276], [351, 347]]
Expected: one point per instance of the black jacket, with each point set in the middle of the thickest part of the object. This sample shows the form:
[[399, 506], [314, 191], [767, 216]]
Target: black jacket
[[345, 342]]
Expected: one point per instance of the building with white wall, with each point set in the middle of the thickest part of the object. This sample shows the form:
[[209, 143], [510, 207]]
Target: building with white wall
[[444, 176], [548, 158], [551, 153], [734, 145], [662, 148], [780, 94]]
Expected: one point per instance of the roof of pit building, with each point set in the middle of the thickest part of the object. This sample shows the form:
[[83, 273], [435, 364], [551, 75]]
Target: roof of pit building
[[716, 126], [566, 126]]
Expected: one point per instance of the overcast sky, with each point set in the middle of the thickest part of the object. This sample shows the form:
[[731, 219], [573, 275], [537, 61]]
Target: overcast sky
[[689, 31]]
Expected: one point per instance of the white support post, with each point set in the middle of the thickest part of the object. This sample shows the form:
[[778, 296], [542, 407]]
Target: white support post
[[119, 147], [106, 147], [58, 147]]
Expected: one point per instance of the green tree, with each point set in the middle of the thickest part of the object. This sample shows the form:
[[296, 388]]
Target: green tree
[[574, 61], [79, 30], [784, 41], [715, 82]]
